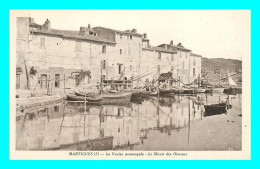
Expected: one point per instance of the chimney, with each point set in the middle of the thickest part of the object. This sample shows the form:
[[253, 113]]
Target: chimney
[[89, 26], [179, 44], [134, 30], [145, 36], [83, 31], [171, 43], [47, 25]]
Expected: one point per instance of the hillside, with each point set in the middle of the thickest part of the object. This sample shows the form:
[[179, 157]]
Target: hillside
[[220, 63]]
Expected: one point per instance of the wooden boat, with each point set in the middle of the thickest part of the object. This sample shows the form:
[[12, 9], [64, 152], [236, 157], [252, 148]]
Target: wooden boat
[[218, 90], [116, 98], [166, 92], [233, 90], [215, 109], [189, 91], [95, 99], [83, 94], [208, 90], [201, 90]]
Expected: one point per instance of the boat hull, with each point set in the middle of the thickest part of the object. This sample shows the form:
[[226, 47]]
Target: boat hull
[[215, 109], [89, 100], [218, 90], [116, 98], [233, 91]]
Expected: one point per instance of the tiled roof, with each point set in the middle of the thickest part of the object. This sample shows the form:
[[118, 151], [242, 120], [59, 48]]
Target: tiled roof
[[196, 55], [177, 47], [159, 49], [71, 35], [118, 31]]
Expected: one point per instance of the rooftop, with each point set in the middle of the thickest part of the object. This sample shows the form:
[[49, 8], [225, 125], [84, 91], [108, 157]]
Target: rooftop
[[129, 32], [179, 47], [71, 34], [196, 55], [160, 49]]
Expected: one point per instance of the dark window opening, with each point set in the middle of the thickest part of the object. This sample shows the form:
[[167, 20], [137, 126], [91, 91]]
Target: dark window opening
[[131, 37], [159, 56], [57, 80], [120, 68], [194, 72], [103, 49], [120, 51], [103, 64], [56, 108], [77, 80]]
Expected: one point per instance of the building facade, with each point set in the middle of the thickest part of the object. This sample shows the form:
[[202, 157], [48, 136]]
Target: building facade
[[57, 59]]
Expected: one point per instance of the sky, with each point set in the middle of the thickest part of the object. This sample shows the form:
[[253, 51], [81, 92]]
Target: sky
[[210, 33]]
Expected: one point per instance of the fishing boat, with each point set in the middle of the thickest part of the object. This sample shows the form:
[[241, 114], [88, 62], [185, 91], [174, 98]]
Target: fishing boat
[[200, 90], [215, 109], [116, 98], [93, 99], [208, 90], [232, 87], [218, 90], [166, 92]]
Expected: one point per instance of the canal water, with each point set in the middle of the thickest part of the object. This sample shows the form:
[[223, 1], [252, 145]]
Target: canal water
[[175, 123]]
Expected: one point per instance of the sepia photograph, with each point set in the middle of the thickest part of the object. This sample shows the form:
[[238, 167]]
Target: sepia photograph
[[130, 81]]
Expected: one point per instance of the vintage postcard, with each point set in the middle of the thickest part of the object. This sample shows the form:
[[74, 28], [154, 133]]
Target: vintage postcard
[[130, 84]]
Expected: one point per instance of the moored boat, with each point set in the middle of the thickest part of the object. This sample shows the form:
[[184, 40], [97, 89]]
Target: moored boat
[[94, 99], [215, 109], [116, 98], [208, 90], [201, 90], [218, 90]]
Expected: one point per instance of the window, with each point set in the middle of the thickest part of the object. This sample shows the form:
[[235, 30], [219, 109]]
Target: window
[[104, 49], [120, 51], [43, 81], [103, 64], [57, 80], [159, 56], [158, 69], [194, 72], [78, 47], [131, 37], [17, 81], [119, 68], [56, 108], [172, 57], [42, 42], [77, 80], [102, 133], [121, 36]]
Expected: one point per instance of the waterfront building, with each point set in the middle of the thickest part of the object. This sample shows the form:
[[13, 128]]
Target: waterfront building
[[52, 59]]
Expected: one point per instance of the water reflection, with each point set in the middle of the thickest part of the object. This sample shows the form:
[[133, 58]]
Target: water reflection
[[73, 127]]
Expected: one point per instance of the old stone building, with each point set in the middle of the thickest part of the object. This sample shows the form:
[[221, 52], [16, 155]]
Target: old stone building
[[54, 59]]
